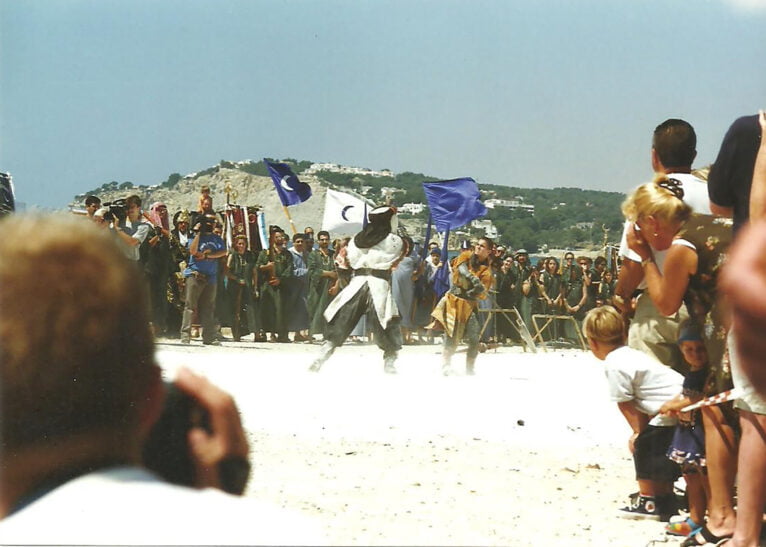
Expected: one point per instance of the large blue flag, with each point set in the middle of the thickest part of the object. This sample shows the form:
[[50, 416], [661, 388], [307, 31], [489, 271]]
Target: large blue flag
[[453, 203], [290, 190]]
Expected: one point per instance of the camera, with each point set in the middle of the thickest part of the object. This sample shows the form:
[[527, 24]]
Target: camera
[[206, 223], [167, 450], [116, 211]]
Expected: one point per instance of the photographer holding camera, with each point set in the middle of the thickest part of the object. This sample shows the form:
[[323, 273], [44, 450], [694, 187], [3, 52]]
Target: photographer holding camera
[[130, 226], [79, 393], [201, 280]]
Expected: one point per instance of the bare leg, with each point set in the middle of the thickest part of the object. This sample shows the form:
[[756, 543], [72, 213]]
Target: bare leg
[[654, 488], [695, 491], [721, 456], [751, 484]]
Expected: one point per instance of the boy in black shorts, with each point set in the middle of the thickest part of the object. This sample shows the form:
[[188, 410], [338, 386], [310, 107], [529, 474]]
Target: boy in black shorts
[[639, 384]]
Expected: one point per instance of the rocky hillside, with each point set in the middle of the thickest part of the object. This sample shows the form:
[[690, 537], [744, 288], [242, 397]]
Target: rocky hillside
[[245, 189]]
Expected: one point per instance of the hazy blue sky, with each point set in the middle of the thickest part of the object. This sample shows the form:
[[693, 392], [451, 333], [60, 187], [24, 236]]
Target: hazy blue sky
[[540, 93]]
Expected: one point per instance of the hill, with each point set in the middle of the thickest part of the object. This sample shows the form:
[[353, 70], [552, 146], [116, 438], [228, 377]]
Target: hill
[[532, 218]]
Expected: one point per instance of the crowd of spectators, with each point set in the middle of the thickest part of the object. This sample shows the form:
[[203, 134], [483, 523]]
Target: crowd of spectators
[[279, 294]]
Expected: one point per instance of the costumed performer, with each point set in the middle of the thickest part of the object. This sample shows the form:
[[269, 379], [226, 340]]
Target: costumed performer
[[456, 311], [372, 254]]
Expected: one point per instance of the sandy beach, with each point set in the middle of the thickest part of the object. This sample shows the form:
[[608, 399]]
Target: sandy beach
[[527, 452]]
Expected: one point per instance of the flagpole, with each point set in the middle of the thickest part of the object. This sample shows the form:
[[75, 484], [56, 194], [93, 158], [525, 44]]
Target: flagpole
[[424, 251], [290, 219]]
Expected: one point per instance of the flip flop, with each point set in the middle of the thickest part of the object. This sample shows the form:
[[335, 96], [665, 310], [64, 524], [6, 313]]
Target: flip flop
[[683, 528], [707, 535]]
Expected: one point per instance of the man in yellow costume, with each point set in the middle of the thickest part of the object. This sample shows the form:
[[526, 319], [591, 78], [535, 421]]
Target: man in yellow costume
[[456, 311]]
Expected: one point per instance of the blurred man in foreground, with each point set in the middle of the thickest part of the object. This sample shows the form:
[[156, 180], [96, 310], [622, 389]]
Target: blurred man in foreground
[[79, 393]]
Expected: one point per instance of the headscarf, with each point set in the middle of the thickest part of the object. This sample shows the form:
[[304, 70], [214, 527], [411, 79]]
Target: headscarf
[[156, 218], [383, 221]]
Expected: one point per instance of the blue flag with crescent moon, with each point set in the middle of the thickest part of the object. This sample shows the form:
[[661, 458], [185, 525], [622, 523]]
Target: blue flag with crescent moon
[[290, 190], [454, 203]]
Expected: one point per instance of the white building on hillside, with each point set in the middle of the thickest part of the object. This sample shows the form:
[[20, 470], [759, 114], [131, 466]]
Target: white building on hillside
[[335, 168], [412, 208], [509, 204], [485, 224]]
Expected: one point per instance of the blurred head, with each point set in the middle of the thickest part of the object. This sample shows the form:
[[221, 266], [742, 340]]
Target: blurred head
[[278, 239], [605, 329], [133, 204], [323, 238], [299, 241], [207, 204], [240, 244], [692, 346], [92, 204], [483, 248], [77, 355], [674, 146], [694, 353]]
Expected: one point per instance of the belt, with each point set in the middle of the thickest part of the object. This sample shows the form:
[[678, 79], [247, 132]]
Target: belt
[[381, 274]]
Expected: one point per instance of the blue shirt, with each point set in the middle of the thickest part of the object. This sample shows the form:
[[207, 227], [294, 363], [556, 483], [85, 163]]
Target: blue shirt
[[213, 243]]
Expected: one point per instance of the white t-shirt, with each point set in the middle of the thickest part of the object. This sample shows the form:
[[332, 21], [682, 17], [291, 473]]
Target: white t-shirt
[[131, 506], [635, 376]]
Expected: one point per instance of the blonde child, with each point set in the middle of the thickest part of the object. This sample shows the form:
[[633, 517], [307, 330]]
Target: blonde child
[[204, 195], [639, 384]]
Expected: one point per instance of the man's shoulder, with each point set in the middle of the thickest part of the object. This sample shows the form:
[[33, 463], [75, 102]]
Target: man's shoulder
[[695, 192], [94, 509]]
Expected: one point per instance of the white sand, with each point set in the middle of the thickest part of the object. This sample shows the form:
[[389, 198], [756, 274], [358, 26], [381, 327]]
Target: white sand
[[527, 452]]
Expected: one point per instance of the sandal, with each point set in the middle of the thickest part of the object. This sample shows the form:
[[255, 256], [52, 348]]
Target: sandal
[[707, 535], [683, 528]]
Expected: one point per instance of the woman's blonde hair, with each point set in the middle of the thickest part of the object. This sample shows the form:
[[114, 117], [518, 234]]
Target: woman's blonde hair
[[604, 324], [661, 198]]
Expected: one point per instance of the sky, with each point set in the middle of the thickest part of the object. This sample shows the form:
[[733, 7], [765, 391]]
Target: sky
[[537, 94]]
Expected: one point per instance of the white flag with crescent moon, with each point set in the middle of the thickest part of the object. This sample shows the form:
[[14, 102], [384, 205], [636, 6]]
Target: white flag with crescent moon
[[343, 213]]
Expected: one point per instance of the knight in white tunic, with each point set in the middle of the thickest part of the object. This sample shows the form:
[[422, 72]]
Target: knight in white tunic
[[372, 254]]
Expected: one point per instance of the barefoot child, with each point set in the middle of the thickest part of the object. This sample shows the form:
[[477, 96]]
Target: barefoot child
[[639, 385], [688, 445]]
